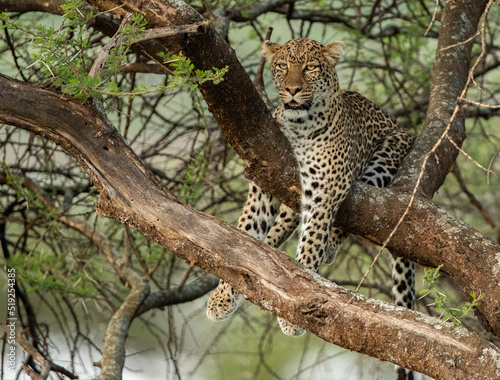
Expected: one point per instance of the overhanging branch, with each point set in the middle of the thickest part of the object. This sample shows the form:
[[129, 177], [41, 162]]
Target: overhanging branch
[[258, 140], [270, 279]]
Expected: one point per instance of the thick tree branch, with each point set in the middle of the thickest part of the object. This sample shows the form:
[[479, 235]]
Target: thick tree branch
[[259, 142], [188, 293], [449, 78], [113, 353], [51, 6], [130, 194], [432, 237], [156, 299]]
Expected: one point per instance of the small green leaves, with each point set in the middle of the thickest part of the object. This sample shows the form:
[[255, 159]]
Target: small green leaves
[[136, 29], [442, 303], [72, 13], [185, 75], [193, 186], [64, 56]]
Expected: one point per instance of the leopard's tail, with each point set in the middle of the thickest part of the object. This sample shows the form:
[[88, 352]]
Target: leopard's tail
[[403, 291]]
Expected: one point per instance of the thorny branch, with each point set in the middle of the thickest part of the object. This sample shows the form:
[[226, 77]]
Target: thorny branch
[[46, 363]]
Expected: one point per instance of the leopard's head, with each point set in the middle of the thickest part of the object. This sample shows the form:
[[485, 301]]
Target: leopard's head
[[303, 71]]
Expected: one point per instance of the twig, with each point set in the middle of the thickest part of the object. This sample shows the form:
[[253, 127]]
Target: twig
[[186, 276], [433, 18], [258, 82], [196, 28], [117, 39], [487, 170], [480, 104], [462, 42], [46, 363], [472, 198]]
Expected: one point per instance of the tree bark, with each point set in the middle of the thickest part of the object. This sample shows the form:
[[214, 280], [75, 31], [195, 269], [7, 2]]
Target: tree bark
[[266, 277], [270, 279], [251, 131], [450, 74], [269, 161]]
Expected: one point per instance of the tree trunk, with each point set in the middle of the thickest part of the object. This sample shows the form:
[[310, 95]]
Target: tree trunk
[[257, 139], [270, 279]]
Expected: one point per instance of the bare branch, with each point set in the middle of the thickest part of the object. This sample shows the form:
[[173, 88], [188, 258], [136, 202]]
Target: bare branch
[[258, 81], [196, 28], [113, 43], [46, 363]]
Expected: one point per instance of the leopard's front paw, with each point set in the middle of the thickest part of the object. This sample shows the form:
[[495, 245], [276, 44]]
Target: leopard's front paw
[[290, 329], [223, 302]]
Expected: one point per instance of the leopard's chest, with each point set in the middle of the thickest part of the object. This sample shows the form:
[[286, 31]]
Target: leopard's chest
[[313, 133], [303, 127]]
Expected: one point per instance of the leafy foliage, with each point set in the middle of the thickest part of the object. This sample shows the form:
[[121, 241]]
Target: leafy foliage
[[64, 56], [442, 302]]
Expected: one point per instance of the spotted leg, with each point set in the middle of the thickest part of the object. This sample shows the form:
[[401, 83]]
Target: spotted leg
[[320, 201], [284, 225], [403, 292], [264, 219], [379, 173]]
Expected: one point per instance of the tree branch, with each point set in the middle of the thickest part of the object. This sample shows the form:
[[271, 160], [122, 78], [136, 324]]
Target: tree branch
[[449, 79], [46, 363], [270, 279], [52, 6], [258, 140], [113, 353]]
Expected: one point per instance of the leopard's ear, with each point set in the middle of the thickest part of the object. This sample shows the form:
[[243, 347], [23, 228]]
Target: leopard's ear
[[334, 52], [269, 49]]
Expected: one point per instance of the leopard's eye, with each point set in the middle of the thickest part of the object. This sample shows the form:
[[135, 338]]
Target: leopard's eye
[[311, 67], [282, 66]]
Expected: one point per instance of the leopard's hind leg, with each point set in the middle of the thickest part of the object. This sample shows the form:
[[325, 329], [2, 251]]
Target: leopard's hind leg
[[380, 173], [264, 219]]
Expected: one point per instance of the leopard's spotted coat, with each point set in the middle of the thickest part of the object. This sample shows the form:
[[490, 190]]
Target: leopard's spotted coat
[[337, 137]]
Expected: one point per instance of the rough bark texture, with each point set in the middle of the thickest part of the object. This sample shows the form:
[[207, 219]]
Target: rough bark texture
[[432, 237], [258, 140], [270, 279], [53, 6], [449, 76]]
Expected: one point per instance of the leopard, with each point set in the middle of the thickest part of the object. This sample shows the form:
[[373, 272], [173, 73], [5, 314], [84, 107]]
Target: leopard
[[337, 137]]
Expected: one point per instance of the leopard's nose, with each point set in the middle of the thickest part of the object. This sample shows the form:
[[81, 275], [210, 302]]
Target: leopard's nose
[[293, 90]]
